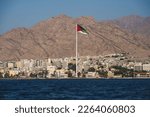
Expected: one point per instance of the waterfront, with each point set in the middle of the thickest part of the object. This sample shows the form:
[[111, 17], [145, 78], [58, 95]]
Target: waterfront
[[72, 89], [110, 66]]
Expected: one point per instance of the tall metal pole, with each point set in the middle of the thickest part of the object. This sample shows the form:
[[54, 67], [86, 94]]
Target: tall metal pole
[[76, 51]]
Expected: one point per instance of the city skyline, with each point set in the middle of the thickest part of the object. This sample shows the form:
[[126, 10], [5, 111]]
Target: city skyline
[[20, 13]]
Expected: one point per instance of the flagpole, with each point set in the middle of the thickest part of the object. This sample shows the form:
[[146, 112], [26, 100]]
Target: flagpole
[[76, 51]]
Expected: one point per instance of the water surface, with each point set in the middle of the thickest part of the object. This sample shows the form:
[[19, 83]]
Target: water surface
[[72, 89]]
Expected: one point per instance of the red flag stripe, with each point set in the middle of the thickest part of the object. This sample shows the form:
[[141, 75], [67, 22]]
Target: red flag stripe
[[79, 28]]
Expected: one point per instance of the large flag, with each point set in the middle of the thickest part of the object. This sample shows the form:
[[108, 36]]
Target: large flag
[[81, 29]]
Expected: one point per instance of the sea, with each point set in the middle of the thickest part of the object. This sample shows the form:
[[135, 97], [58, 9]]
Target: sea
[[75, 89]]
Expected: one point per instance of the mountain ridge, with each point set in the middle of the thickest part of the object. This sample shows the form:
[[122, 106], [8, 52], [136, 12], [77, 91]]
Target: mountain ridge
[[135, 24], [55, 38]]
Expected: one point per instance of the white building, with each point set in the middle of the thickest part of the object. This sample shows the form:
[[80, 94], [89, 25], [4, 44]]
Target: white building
[[51, 70], [10, 65], [146, 67], [138, 67]]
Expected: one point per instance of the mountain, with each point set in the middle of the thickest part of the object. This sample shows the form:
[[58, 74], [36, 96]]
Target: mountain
[[135, 24], [55, 38]]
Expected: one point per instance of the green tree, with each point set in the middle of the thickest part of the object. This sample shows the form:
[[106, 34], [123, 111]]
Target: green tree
[[123, 71], [103, 73], [1, 75], [69, 74], [7, 75], [72, 66], [91, 69]]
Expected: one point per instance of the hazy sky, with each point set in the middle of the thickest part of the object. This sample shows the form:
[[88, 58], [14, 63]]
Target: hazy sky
[[25, 13]]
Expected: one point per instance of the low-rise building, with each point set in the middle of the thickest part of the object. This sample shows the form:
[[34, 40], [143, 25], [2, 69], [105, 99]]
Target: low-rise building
[[10, 65], [51, 71], [91, 75], [146, 67], [138, 67], [110, 74], [13, 72], [61, 73]]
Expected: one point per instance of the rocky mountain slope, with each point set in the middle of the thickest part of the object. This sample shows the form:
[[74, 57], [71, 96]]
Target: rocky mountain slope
[[55, 37], [135, 24]]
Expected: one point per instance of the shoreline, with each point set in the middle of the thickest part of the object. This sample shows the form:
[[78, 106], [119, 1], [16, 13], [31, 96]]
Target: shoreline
[[130, 78]]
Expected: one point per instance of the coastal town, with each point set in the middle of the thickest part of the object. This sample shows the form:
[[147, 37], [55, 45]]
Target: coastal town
[[108, 66]]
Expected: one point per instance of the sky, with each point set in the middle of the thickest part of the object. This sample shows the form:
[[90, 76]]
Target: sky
[[26, 13]]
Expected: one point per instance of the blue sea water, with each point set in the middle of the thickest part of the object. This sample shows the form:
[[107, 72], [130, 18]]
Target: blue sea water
[[75, 89]]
